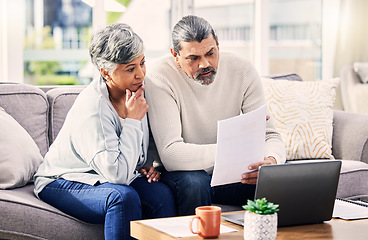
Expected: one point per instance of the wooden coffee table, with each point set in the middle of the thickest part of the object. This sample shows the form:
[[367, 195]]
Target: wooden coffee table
[[333, 229]]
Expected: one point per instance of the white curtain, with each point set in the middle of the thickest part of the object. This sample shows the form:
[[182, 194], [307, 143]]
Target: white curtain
[[352, 39]]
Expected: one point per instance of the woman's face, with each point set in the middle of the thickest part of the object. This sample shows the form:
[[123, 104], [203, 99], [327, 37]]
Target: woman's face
[[128, 76]]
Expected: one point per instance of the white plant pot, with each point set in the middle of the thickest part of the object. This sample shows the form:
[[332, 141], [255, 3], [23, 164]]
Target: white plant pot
[[257, 226]]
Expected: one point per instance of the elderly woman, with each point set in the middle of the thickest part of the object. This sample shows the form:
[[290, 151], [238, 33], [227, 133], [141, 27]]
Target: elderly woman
[[98, 168]]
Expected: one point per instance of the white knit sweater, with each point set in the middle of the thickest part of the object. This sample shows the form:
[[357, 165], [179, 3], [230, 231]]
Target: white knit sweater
[[183, 114]]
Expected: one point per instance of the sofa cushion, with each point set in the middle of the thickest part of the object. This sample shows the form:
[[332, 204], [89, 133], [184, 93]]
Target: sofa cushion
[[361, 68], [28, 105], [303, 115], [353, 180], [60, 100], [20, 157], [27, 217]]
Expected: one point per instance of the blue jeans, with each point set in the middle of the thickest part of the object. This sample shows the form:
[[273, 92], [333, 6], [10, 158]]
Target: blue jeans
[[111, 204], [192, 189]]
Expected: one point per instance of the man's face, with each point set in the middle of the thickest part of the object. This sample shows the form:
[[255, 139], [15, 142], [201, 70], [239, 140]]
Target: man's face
[[199, 60]]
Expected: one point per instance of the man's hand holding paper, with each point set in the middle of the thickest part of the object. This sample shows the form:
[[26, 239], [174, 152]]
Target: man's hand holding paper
[[240, 148], [251, 177]]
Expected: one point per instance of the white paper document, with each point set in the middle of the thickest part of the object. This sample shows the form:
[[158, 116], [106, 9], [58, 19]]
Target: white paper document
[[179, 227], [240, 142], [350, 210]]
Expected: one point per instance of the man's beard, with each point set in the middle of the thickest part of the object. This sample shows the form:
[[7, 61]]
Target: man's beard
[[207, 80]]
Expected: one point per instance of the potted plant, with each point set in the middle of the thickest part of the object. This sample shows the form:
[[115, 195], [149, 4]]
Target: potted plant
[[260, 219]]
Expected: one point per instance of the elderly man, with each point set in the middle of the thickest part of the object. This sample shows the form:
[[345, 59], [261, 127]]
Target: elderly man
[[188, 92]]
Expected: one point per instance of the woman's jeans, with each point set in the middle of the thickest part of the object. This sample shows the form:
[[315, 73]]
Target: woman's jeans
[[111, 204]]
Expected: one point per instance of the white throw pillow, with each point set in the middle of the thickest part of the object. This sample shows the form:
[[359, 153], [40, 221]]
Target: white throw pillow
[[20, 157], [303, 115], [361, 68]]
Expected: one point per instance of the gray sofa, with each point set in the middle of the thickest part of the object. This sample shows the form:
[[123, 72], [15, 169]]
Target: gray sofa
[[22, 215], [41, 113]]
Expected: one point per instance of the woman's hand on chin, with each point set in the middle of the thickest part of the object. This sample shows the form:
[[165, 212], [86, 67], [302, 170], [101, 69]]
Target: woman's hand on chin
[[136, 105]]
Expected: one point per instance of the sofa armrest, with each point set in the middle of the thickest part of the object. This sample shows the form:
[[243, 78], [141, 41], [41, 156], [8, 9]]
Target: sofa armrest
[[353, 91], [350, 136]]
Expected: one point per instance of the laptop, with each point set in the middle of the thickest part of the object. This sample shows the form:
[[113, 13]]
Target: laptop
[[304, 190]]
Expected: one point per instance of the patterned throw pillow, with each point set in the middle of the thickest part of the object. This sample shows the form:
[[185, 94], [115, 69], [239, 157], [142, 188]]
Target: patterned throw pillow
[[303, 115]]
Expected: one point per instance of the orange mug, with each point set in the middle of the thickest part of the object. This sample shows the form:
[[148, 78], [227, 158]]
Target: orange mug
[[208, 221]]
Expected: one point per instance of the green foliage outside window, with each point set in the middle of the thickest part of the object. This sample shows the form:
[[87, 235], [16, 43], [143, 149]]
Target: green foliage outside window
[[57, 80], [44, 73], [113, 17]]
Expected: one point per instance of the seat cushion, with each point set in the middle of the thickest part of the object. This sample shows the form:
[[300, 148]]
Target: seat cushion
[[353, 183], [28, 217]]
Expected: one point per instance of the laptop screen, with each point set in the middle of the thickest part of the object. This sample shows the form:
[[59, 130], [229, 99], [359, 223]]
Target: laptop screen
[[305, 190]]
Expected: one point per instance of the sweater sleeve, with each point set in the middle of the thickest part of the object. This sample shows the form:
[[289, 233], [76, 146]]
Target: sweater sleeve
[[112, 156], [254, 98], [165, 121]]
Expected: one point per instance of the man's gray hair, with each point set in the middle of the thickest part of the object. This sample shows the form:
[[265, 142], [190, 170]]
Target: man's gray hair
[[114, 44], [191, 28]]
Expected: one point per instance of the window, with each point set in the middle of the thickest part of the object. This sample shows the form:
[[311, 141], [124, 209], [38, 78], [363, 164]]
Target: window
[[52, 37], [57, 35], [292, 43], [233, 22], [295, 39]]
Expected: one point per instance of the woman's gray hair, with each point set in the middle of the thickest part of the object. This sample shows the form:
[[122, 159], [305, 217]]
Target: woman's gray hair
[[114, 44], [191, 28]]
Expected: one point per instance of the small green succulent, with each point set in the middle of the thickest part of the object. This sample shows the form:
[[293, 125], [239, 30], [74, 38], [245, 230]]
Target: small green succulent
[[261, 206]]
